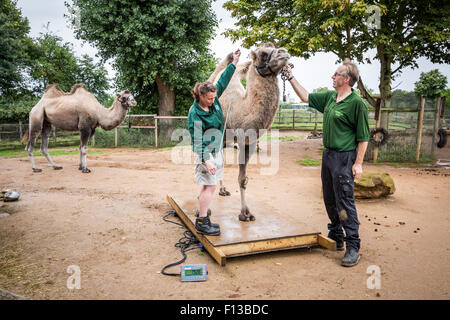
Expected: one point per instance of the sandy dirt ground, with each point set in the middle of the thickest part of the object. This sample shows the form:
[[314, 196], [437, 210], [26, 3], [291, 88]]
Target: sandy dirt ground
[[109, 224]]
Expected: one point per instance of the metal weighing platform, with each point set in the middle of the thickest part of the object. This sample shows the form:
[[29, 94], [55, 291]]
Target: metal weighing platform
[[271, 231]]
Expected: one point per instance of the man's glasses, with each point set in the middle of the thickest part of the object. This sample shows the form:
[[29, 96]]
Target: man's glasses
[[339, 74]]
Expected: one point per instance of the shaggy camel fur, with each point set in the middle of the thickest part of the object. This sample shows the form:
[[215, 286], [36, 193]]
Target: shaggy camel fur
[[252, 108], [78, 110]]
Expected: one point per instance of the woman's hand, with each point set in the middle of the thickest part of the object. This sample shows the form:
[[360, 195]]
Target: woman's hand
[[287, 72], [236, 56], [211, 167]]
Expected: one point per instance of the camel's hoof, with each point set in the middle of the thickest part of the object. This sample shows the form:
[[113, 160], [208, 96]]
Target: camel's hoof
[[223, 192], [252, 217], [80, 168], [37, 170], [86, 170], [57, 167], [243, 217]]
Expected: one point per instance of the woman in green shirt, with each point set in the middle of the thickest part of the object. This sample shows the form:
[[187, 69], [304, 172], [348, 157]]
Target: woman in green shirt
[[205, 123]]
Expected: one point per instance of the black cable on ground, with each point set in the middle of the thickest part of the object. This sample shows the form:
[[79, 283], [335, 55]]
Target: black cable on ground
[[183, 243]]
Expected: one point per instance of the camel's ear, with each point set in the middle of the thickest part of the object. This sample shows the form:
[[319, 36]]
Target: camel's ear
[[253, 55]]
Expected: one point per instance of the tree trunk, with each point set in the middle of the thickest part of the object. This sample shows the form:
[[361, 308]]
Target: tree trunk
[[166, 98], [385, 85]]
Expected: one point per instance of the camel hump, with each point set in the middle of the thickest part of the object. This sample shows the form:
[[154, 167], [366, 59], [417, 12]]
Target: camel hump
[[242, 68], [53, 90], [77, 86]]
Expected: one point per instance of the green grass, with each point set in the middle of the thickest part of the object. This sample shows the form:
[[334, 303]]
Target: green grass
[[267, 138], [59, 152], [308, 162]]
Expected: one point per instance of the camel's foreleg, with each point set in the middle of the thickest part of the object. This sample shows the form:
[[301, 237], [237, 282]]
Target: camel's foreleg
[[84, 139], [46, 130], [245, 153], [30, 148]]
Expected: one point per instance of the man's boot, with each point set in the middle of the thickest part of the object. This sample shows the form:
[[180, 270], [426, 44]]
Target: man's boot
[[351, 257], [203, 226]]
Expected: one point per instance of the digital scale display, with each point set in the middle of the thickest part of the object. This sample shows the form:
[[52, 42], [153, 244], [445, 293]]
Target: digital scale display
[[193, 272]]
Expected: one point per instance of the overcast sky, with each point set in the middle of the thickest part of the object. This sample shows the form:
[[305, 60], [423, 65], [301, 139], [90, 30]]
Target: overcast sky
[[312, 73]]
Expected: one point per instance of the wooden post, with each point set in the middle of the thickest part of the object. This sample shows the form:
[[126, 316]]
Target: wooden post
[[419, 127], [116, 138], [156, 133], [436, 124], [378, 106], [293, 118], [315, 122], [93, 141], [20, 132]]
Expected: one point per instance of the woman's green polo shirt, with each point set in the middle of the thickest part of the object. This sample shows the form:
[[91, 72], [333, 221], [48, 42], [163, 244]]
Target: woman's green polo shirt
[[200, 121]]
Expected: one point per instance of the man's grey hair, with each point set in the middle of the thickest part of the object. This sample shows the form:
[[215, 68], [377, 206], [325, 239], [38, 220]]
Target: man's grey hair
[[351, 71]]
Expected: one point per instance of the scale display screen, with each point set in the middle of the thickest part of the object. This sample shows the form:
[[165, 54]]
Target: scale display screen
[[193, 272]]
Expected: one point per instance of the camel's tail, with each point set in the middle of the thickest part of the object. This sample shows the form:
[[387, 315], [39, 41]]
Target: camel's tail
[[25, 137]]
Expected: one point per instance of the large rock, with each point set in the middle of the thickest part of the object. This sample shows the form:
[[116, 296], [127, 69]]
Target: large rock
[[374, 185]]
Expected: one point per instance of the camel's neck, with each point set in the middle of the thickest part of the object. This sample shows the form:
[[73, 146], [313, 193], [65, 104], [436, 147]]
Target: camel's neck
[[112, 117], [264, 94]]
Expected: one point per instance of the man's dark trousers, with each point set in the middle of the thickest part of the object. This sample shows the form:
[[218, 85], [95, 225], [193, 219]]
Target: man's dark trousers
[[338, 186]]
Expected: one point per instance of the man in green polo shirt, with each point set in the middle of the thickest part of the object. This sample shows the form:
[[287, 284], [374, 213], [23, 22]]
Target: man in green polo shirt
[[345, 138]]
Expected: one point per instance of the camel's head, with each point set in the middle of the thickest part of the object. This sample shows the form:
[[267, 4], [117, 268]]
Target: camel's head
[[269, 60], [126, 99]]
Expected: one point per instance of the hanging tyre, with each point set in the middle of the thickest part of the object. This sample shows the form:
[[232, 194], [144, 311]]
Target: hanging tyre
[[379, 137], [442, 134]]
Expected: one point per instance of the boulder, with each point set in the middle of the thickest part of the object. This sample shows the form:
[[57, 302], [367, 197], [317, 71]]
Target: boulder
[[374, 185]]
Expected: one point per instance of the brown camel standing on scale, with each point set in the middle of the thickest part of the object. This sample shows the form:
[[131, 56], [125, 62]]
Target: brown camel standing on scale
[[78, 110], [252, 108]]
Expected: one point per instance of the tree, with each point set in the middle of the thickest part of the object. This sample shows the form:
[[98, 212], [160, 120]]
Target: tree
[[157, 46], [52, 61], [403, 32], [431, 84], [95, 77], [13, 43]]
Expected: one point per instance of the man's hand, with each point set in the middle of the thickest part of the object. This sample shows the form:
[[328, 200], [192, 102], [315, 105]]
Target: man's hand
[[236, 56], [357, 171], [211, 167]]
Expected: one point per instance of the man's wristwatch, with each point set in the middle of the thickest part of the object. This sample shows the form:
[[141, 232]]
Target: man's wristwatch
[[292, 77]]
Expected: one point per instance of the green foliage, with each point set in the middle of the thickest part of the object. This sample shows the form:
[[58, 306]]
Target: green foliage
[[404, 99], [52, 61], [406, 30], [431, 84], [13, 42], [151, 41], [95, 77], [17, 108]]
